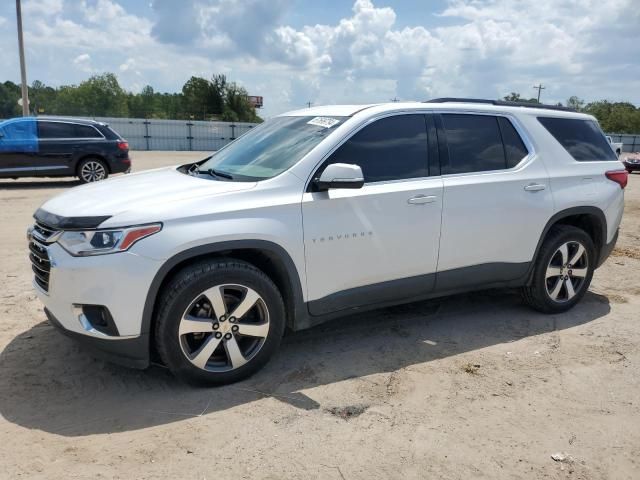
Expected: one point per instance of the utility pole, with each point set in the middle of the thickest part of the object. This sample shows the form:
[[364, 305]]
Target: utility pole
[[309, 104], [395, 100], [539, 87], [23, 68]]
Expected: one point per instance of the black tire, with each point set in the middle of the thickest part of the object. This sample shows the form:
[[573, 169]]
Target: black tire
[[94, 162], [536, 294], [183, 290]]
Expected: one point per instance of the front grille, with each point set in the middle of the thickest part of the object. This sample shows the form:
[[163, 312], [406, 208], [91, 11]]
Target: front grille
[[40, 262]]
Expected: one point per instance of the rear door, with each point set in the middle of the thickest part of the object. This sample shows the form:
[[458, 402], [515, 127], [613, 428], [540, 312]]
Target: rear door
[[58, 142], [18, 147], [378, 243], [496, 200]]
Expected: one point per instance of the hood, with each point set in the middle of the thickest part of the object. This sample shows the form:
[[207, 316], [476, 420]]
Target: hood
[[135, 192]]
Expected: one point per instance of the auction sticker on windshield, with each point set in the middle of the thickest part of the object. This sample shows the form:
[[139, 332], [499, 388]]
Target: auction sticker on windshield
[[325, 122]]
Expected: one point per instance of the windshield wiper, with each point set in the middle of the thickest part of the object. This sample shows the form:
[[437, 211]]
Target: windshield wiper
[[217, 173]]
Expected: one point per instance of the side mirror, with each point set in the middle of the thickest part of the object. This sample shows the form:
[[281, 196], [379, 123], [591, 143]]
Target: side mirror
[[340, 175]]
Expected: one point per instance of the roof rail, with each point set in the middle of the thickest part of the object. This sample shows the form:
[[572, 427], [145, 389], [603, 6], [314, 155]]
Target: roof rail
[[503, 103]]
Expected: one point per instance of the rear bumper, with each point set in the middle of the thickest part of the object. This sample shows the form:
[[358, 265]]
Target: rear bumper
[[120, 165], [607, 249], [128, 352]]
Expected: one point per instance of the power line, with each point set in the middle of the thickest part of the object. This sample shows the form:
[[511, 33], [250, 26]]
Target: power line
[[539, 87]]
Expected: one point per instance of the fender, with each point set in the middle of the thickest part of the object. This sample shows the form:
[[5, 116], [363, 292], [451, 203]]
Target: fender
[[299, 310], [585, 210]]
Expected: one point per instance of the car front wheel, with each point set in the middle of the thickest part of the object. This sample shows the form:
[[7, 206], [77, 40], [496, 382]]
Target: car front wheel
[[219, 321]]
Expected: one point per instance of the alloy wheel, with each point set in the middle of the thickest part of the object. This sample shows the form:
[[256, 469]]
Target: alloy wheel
[[566, 271], [93, 171], [224, 327]]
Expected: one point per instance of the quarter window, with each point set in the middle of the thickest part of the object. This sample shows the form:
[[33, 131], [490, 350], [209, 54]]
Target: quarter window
[[583, 139], [391, 148], [514, 148], [85, 131]]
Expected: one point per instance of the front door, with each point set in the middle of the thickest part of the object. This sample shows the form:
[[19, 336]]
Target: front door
[[378, 243], [18, 147]]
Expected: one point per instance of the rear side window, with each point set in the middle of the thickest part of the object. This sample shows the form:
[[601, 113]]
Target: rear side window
[[48, 130], [391, 148], [85, 131], [474, 142], [583, 139], [514, 149]]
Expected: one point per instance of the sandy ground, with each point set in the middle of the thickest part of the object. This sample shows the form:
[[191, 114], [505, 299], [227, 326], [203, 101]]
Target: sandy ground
[[473, 386]]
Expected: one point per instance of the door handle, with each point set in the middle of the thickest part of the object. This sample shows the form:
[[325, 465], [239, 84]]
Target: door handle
[[535, 187], [420, 199]]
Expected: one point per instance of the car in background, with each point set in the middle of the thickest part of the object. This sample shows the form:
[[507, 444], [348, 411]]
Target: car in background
[[632, 162], [61, 147], [617, 146]]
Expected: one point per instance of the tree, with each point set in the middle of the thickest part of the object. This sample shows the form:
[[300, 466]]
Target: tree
[[615, 117], [9, 94], [515, 97], [198, 97], [576, 103]]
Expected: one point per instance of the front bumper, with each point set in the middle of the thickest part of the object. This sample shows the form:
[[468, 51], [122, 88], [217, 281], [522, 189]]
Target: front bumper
[[631, 166], [119, 282], [128, 352]]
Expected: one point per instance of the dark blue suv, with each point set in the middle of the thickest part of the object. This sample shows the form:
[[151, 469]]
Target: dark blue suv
[[61, 147]]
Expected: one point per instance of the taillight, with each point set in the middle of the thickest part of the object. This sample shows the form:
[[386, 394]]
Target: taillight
[[122, 145], [618, 176]]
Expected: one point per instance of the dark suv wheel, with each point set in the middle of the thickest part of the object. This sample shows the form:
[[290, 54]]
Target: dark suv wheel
[[563, 270], [219, 321], [92, 170]]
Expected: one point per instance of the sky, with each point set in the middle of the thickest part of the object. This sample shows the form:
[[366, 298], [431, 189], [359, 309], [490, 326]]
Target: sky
[[336, 51]]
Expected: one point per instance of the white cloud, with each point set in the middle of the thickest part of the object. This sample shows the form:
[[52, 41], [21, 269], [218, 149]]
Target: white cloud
[[42, 7], [83, 62], [476, 48]]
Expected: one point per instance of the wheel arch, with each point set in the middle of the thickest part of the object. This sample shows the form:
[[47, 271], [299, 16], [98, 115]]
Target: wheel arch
[[590, 219], [269, 257]]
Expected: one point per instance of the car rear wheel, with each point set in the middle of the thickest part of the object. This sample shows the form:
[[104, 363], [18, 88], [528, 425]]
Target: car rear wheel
[[92, 170], [219, 321], [563, 270]]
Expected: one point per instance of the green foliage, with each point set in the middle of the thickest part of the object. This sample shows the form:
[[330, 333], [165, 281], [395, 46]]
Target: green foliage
[[615, 117], [102, 96], [515, 97]]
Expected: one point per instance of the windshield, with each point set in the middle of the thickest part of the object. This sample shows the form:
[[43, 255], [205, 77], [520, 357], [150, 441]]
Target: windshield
[[270, 148]]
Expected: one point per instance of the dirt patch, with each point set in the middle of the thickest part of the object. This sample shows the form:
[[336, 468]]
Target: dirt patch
[[348, 412], [471, 368], [629, 252]]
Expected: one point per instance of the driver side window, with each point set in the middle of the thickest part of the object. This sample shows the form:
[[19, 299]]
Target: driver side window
[[392, 148]]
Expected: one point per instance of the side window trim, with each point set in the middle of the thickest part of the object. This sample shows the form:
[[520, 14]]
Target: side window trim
[[317, 170], [444, 151], [432, 139]]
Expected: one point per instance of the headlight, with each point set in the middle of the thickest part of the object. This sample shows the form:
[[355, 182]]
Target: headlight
[[100, 242]]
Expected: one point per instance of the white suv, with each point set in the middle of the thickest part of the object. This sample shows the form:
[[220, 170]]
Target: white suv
[[320, 212]]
